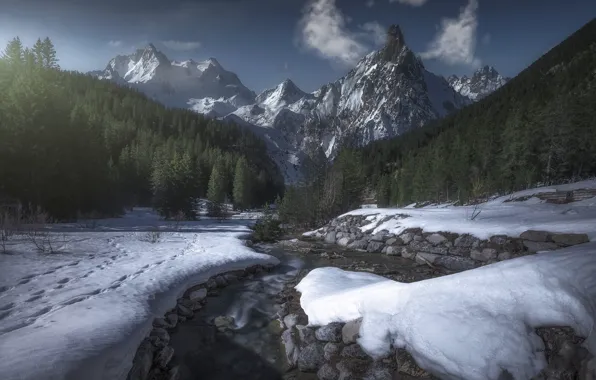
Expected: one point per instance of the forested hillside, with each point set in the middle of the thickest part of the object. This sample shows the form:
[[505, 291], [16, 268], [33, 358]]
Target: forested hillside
[[73, 145], [538, 128]]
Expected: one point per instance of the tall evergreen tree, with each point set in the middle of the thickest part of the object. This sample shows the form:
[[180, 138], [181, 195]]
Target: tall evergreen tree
[[49, 59], [242, 190], [13, 53]]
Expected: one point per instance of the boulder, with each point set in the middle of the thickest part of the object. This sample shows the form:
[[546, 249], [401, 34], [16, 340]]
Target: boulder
[[161, 334], [354, 351], [283, 310], [311, 357], [467, 241], [392, 251], [306, 334], [330, 332], [459, 251], [499, 239], [330, 237], [439, 250], [184, 311], [484, 255], [221, 281], [455, 263], [538, 236], [352, 369], [504, 256], [161, 322], [408, 253], [172, 319], [142, 362], [406, 237], [224, 322], [424, 257], [407, 365], [344, 241], [351, 331], [288, 340], [436, 239], [374, 247], [164, 356], [331, 350], [392, 241], [380, 236], [173, 373], [327, 372], [358, 244], [570, 239], [291, 320], [536, 246]]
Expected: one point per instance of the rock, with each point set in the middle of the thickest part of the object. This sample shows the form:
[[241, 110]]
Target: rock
[[418, 238], [161, 322], [352, 369], [499, 239], [142, 362], [339, 235], [327, 372], [392, 241], [374, 247], [330, 333], [330, 237], [184, 311], [455, 263], [221, 281], [534, 246], [379, 370], [351, 331], [570, 239], [354, 351], [283, 310], [311, 357], [408, 253], [306, 334], [164, 356], [504, 256], [344, 241], [424, 257], [588, 369], [288, 339], [157, 343], [162, 334], [407, 365], [439, 250], [173, 373], [392, 251], [436, 239], [484, 255], [224, 322], [231, 278], [198, 295], [459, 251], [212, 284], [467, 241], [358, 244], [331, 350], [538, 236], [275, 327], [406, 237], [380, 236], [290, 320], [421, 246]]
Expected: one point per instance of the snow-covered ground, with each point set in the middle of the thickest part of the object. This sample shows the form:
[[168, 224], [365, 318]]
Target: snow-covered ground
[[470, 325], [91, 303], [495, 217]]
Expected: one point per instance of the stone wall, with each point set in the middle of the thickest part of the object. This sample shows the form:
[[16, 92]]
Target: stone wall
[[152, 360], [456, 252]]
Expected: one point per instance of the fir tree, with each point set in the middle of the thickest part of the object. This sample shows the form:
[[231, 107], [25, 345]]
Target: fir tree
[[242, 191]]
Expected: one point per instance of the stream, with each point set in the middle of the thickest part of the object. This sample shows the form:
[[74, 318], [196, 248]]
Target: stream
[[250, 348]]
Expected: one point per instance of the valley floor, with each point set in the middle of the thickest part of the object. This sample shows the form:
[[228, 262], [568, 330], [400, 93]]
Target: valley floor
[[92, 301]]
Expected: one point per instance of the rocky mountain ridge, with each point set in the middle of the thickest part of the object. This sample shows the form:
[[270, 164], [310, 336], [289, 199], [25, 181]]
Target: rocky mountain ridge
[[482, 83]]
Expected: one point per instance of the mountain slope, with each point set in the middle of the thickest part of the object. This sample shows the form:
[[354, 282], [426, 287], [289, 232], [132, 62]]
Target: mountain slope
[[484, 81]]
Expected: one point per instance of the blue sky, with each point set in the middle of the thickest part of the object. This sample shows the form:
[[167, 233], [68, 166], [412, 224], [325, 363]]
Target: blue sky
[[309, 41]]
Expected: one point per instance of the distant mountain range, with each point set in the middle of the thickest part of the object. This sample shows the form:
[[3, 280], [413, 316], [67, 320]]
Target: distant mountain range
[[387, 93]]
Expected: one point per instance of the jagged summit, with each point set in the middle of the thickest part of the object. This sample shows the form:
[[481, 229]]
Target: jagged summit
[[484, 81], [394, 44]]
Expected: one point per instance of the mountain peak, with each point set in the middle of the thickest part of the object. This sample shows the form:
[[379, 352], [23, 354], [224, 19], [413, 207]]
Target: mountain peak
[[394, 44], [484, 81]]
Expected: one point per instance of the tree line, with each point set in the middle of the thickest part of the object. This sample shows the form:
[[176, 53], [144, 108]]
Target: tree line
[[538, 129], [75, 145]]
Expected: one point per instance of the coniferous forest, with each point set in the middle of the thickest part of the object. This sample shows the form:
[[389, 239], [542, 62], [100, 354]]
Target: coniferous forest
[[540, 128], [73, 145]]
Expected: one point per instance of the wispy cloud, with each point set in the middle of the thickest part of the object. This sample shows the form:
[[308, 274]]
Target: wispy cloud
[[375, 31], [370, 3], [455, 43], [115, 43], [323, 30], [414, 3], [181, 45]]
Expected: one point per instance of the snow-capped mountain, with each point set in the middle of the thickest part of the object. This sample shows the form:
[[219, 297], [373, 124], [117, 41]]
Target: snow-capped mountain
[[205, 87], [484, 81], [387, 93]]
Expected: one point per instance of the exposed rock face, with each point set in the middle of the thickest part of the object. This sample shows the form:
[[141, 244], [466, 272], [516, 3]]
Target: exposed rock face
[[484, 81]]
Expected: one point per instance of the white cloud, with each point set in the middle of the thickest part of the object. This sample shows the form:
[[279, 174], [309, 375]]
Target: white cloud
[[414, 3], [375, 31], [486, 39], [323, 30], [455, 43], [370, 3], [115, 43], [181, 45]]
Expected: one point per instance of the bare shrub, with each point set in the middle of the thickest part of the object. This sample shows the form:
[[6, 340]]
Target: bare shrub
[[178, 219], [35, 230], [9, 227], [152, 236]]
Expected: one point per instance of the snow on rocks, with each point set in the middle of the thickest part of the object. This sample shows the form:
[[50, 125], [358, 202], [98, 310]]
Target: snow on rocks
[[440, 322]]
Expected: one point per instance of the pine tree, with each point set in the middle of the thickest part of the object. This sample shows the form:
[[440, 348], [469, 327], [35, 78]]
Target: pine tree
[[13, 53], [38, 52], [216, 191], [242, 189], [48, 52]]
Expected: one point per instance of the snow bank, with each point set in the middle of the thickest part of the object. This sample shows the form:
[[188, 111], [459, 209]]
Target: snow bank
[[82, 312], [496, 217], [469, 325]]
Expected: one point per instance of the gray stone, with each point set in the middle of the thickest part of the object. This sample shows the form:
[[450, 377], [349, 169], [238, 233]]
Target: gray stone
[[392, 251], [418, 238], [456, 263], [467, 241], [354, 351], [374, 247], [331, 350], [379, 370], [184, 311], [330, 333], [344, 241], [161, 322], [538, 236], [407, 365], [172, 319], [536, 246], [330, 237], [439, 250], [173, 373], [231, 278], [570, 239], [221, 281], [283, 310], [288, 339], [327, 372], [290, 320], [339, 235], [499, 239], [459, 251], [162, 334], [224, 322], [212, 284], [164, 356], [351, 331], [352, 369], [407, 237], [311, 357], [588, 369], [436, 239], [142, 362], [380, 236], [198, 295], [306, 334], [156, 342], [392, 241], [487, 254], [421, 246], [424, 257], [504, 256], [408, 253], [358, 244]]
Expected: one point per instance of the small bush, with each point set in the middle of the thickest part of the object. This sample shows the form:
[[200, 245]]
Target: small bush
[[152, 236], [34, 229], [267, 229], [9, 226]]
